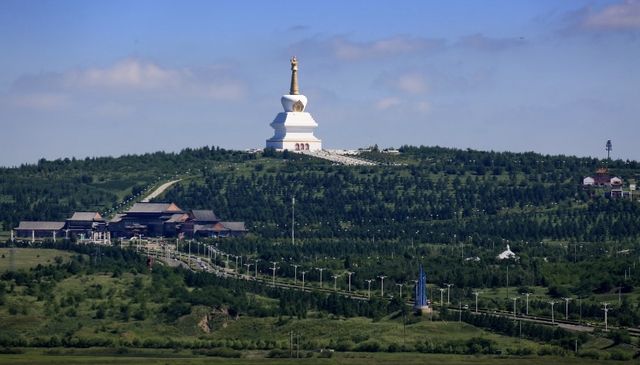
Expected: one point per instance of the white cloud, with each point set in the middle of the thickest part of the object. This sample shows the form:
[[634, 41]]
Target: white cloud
[[127, 78], [412, 83], [387, 103], [620, 16], [128, 74]]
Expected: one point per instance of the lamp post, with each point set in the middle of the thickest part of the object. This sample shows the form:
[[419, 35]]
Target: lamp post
[[273, 269], [515, 301], [303, 273], [527, 295], [335, 282], [449, 292], [400, 285], [349, 273], [476, 293], [248, 267], [256, 277], [295, 274], [566, 308], [381, 277], [606, 312], [441, 296], [320, 269], [553, 320], [369, 287]]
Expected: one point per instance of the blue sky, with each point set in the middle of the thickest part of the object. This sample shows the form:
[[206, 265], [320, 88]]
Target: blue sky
[[95, 78]]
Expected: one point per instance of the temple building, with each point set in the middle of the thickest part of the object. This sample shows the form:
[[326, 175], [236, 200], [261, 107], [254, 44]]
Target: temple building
[[142, 219], [293, 128]]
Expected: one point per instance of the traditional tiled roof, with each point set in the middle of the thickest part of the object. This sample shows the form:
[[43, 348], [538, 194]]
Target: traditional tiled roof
[[204, 216], [178, 218], [40, 226], [154, 208], [86, 216], [234, 226], [117, 218]]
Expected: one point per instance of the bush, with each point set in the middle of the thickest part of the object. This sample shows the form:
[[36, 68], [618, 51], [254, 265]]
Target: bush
[[220, 352], [368, 346], [278, 354], [589, 354], [620, 356]]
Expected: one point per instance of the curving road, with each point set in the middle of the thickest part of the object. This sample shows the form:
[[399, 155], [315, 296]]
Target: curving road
[[159, 191]]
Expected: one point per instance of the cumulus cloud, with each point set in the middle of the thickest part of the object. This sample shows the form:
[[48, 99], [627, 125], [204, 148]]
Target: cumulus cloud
[[127, 77], [624, 15], [127, 74], [343, 48]]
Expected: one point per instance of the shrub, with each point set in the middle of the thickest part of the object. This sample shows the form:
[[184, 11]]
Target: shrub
[[368, 346]]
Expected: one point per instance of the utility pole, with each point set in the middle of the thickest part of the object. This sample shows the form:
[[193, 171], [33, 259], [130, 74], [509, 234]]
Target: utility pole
[[273, 269], [566, 308], [320, 269], [349, 273], [303, 272], [335, 282], [553, 320], [476, 293], [441, 297], [527, 295], [248, 267], [381, 277], [515, 301], [449, 292], [369, 287]]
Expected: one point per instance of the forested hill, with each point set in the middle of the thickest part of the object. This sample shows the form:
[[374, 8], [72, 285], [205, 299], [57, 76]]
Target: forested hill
[[425, 193]]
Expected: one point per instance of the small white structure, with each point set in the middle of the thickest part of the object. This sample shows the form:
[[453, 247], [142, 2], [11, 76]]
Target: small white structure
[[588, 181], [294, 127], [507, 254]]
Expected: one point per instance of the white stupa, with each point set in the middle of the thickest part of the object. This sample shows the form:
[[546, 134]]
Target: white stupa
[[294, 127]]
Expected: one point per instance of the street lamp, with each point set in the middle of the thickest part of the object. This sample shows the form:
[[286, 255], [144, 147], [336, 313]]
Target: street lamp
[[441, 296], [295, 274], [381, 277], [515, 301], [320, 269], [449, 291], [552, 314], [400, 285], [566, 308], [303, 272], [476, 293], [527, 295], [349, 273], [273, 269], [369, 287], [335, 282]]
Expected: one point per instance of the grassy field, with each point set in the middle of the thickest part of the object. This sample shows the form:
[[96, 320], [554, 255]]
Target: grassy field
[[90, 356], [26, 258]]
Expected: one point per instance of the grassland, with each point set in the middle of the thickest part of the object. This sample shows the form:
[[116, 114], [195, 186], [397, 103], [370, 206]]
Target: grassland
[[98, 357], [25, 258]]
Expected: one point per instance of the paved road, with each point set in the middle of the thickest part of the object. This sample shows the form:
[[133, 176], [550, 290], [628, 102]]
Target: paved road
[[159, 190]]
